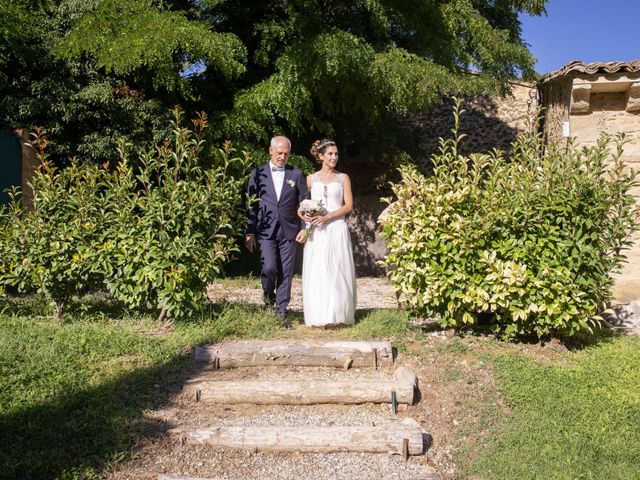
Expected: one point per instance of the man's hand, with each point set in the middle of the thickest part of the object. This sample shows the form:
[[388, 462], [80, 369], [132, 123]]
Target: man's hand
[[250, 242], [301, 237]]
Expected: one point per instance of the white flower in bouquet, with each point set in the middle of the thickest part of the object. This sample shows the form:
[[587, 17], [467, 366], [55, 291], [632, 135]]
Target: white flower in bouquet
[[311, 208]]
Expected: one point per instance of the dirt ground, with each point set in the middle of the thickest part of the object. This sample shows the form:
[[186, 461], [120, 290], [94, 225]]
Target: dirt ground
[[457, 404], [371, 292]]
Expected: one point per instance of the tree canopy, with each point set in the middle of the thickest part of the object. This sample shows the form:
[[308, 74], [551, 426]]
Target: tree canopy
[[93, 70]]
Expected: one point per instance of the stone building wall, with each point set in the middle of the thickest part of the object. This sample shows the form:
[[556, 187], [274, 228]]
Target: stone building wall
[[488, 122], [591, 100], [607, 114]]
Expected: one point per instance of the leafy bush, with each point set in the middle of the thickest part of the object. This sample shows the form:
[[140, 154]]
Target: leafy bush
[[153, 231], [51, 249], [528, 241], [173, 222]]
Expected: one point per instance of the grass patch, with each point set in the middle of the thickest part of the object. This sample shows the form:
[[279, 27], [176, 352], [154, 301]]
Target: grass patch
[[72, 395], [391, 325], [454, 346], [240, 281], [575, 420]]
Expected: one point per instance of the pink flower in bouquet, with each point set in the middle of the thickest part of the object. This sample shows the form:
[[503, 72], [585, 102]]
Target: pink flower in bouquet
[[312, 208]]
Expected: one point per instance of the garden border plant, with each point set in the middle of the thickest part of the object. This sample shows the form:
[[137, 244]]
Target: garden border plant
[[153, 230], [528, 241]]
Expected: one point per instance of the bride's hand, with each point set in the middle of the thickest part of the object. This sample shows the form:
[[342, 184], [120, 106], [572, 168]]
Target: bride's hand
[[320, 220]]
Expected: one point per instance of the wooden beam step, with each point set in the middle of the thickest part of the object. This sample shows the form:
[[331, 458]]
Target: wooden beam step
[[304, 392], [296, 353], [403, 438]]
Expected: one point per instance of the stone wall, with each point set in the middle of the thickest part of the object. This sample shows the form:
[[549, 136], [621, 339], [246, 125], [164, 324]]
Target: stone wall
[[368, 246], [489, 122], [591, 105], [607, 114]]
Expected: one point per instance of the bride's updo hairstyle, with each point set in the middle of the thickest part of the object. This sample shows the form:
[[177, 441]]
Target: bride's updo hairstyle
[[319, 146]]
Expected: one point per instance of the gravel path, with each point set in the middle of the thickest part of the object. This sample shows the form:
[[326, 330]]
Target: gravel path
[[164, 456], [161, 455], [372, 292]]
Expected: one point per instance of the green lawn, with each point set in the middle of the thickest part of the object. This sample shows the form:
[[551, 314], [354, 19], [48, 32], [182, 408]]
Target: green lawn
[[73, 396], [575, 419]]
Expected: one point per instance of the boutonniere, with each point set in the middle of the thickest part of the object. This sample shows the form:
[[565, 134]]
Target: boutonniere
[[292, 183]]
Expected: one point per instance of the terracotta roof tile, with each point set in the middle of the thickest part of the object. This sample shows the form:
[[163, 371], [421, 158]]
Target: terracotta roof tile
[[591, 68]]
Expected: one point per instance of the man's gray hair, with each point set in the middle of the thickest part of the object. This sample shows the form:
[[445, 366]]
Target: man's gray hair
[[278, 138]]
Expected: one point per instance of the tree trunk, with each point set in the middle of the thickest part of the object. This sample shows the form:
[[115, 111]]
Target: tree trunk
[[58, 309]]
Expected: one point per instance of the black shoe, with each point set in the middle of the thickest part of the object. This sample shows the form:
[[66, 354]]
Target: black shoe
[[286, 324]]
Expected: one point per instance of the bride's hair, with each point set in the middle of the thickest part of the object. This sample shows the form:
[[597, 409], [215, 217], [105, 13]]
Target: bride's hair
[[319, 146]]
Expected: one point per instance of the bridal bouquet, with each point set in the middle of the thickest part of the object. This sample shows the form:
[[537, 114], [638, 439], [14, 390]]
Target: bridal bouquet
[[311, 208]]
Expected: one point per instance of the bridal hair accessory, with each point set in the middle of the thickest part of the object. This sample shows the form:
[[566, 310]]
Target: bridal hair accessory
[[326, 143], [318, 146]]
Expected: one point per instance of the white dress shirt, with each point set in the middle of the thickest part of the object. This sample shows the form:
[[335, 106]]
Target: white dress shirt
[[278, 179]]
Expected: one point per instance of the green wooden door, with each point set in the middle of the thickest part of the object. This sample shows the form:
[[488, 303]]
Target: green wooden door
[[10, 164]]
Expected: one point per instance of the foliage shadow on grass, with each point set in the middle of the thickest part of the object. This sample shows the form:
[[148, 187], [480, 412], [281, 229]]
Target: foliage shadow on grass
[[600, 335], [76, 435], [92, 305]]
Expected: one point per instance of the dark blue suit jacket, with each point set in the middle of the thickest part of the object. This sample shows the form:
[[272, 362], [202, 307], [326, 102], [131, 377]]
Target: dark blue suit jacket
[[267, 212]]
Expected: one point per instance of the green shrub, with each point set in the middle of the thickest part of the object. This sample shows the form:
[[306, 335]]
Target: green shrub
[[528, 241], [50, 249], [173, 223], [153, 230]]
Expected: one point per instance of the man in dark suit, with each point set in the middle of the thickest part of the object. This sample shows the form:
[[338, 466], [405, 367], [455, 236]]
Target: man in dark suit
[[273, 222]]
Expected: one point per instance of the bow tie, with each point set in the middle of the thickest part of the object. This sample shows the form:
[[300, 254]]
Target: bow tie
[[277, 169]]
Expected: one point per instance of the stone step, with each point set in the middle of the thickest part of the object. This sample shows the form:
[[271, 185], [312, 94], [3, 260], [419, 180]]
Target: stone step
[[306, 391], [403, 437], [341, 354]]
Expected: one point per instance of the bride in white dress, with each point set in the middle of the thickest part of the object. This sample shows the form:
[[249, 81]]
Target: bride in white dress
[[328, 273]]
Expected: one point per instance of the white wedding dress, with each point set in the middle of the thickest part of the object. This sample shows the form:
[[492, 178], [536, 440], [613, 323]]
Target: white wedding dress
[[328, 273]]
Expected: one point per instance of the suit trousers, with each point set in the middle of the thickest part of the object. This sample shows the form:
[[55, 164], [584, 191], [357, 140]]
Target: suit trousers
[[277, 260]]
